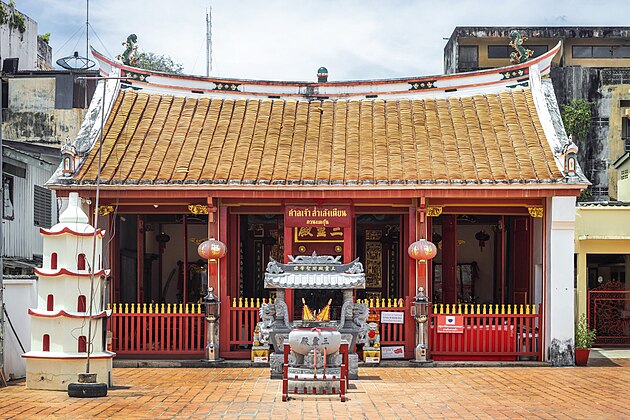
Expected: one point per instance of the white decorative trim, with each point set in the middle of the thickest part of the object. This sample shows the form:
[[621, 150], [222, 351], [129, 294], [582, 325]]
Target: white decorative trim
[[562, 225]]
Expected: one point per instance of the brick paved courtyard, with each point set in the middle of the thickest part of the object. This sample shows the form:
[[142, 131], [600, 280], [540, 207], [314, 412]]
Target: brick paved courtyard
[[598, 391]]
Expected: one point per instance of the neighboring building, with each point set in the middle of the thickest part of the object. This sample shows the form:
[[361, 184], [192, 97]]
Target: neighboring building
[[28, 205], [594, 64], [359, 169], [41, 108], [45, 107]]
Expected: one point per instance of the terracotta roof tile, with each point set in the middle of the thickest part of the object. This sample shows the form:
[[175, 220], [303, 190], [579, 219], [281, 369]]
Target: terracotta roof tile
[[481, 139]]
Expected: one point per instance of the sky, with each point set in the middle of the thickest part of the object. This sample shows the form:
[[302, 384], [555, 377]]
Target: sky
[[291, 39]]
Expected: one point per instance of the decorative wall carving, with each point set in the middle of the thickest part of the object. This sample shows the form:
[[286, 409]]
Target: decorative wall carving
[[105, 210], [373, 264], [434, 211]]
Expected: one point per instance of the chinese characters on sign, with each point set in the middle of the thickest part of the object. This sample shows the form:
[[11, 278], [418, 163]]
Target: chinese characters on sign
[[318, 234]]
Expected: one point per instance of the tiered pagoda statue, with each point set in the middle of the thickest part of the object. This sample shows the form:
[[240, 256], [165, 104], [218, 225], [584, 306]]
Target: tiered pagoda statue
[[59, 333]]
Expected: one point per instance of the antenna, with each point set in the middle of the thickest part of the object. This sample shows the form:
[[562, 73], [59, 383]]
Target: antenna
[[87, 29], [209, 41]]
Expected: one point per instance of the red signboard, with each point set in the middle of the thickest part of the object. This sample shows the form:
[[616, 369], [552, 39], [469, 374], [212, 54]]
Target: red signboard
[[317, 216], [453, 324]]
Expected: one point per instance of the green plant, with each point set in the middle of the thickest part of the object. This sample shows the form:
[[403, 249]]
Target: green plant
[[152, 61], [9, 15], [584, 336], [585, 195], [576, 117], [45, 37]]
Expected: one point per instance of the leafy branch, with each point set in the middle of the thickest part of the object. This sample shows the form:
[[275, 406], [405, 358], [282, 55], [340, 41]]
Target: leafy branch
[[152, 61], [8, 15], [576, 117]]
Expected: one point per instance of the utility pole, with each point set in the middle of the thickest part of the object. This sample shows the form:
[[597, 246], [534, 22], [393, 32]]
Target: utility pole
[[209, 42]]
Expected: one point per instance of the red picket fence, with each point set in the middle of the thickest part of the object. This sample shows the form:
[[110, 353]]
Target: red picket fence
[[490, 332], [158, 330], [391, 334], [243, 317]]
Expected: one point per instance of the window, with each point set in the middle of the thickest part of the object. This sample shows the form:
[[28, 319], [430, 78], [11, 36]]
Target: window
[[81, 262], [624, 174], [46, 342], [499, 51], [468, 57], [50, 303], [7, 194], [601, 51], [504, 51], [43, 207], [82, 348], [81, 303], [5, 94], [621, 52], [53, 261]]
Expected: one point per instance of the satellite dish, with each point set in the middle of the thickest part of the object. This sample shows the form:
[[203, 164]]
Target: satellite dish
[[75, 62]]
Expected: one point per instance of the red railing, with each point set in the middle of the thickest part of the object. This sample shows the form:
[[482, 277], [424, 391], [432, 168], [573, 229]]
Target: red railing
[[158, 329], [391, 334], [490, 332], [243, 316]]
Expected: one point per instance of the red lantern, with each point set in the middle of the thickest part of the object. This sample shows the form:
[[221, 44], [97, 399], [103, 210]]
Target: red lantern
[[212, 250], [422, 250]]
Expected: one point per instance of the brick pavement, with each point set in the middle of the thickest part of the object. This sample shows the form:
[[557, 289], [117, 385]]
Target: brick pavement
[[600, 391]]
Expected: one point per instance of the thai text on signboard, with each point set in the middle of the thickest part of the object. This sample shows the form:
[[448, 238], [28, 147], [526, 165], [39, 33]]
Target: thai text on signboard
[[450, 324], [317, 216], [393, 352], [392, 317]]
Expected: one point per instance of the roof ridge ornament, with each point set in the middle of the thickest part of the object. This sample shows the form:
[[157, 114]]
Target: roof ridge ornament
[[521, 54]]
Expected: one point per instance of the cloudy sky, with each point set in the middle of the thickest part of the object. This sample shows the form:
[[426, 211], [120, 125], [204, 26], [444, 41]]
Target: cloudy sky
[[290, 39]]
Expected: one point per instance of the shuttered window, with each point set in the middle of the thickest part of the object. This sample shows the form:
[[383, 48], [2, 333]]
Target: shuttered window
[[42, 207]]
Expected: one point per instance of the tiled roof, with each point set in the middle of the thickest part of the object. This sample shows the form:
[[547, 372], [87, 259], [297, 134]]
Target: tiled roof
[[158, 139]]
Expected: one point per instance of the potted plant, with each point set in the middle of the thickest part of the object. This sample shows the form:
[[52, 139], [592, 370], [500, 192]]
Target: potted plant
[[584, 339]]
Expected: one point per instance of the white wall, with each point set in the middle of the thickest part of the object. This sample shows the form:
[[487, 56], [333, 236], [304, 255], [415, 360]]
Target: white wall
[[559, 304], [20, 45], [19, 295]]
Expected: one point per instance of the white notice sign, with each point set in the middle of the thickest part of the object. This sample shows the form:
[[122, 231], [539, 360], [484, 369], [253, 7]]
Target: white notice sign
[[393, 352], [392, 317]]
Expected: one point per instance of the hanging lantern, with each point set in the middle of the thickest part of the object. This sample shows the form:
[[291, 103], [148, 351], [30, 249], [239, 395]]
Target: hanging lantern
[[422, 250], [482, 237], [212, 249]]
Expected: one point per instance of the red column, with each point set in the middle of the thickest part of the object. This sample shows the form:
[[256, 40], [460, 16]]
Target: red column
[[222, 282], [348, 239], [288, 246]]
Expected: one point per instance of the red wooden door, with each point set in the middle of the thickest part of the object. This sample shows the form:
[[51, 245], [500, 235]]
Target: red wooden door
[[449, 259], [521, 259]]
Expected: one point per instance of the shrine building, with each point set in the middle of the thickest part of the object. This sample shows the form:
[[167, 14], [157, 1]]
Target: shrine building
[[478, 163]]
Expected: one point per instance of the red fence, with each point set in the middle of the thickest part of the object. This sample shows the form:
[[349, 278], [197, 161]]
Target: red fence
[[154, 329], [391, 334], [490, 332]]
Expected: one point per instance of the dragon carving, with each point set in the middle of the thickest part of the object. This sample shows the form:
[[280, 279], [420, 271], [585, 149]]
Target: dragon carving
[[521, 54], [129, 57]]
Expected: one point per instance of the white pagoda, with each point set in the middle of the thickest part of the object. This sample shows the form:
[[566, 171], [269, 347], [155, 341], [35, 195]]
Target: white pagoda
[[59, 333]]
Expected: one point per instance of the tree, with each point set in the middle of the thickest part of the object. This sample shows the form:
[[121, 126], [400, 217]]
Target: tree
[[152, 61], [576, 117]]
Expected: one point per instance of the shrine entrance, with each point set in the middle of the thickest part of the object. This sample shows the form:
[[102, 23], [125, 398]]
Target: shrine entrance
[[482, 259]]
